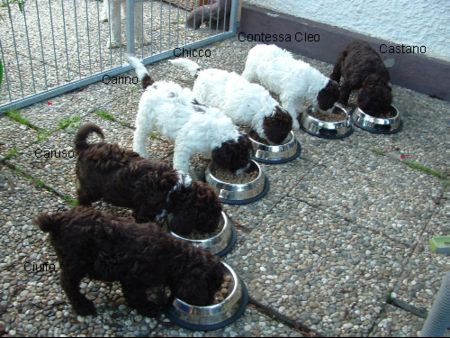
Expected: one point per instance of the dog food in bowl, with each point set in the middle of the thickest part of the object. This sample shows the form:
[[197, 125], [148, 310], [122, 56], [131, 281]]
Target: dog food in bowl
[[219, 242], [229, 304], [328, 116], [225, 289], [204, 235], [227, 176]]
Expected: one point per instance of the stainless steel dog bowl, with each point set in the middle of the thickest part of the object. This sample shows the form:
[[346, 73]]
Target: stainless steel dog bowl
[[276, 154], [326, 129], [220, 244], [211, 317], [239, 193], [378, 125]]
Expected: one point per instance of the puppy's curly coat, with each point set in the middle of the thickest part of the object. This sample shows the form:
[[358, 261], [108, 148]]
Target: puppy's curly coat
[[362, 68], [244, 102], [294, 80], [123, 178], [92, 244], [172, 110]]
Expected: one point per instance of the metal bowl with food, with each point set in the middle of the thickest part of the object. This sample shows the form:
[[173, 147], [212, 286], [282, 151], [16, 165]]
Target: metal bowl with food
[[267, 153], [219, 243], [330, 125], [226, 310], [378, 125], [248, 187]]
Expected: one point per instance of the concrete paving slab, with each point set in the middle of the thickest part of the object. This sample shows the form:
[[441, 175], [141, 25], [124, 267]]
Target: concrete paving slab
[[312, 267]]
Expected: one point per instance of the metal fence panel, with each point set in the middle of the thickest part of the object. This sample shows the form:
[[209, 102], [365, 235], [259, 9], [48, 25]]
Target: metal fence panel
[[49, 47]]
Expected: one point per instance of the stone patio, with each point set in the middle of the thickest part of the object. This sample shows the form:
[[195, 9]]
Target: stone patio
[[342, 227]]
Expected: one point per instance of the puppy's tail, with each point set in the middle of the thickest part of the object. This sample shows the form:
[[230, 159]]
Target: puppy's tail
[[141, 71], [82, 135], [192, 67], [47, 223]]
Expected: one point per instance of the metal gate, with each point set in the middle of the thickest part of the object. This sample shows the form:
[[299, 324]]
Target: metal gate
[[49, 47]]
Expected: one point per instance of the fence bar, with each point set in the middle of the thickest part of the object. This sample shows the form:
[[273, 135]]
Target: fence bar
[[29, 50], [5, 73], [99, 37], [233, 16], [130, 27], [76, 34], [42, 44], [151, 27], [141, 2], [88, 37], [65, 39], [53, 40], [160, 25], [15, 47]]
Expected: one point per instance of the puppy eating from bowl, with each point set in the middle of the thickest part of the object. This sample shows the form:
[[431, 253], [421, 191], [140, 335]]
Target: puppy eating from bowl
[[174, 112], [152, 189], [244, 102], [294, 80], [362, 68], [92, 244]]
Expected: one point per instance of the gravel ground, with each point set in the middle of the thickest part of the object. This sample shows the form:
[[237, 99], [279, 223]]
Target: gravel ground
[[342, 227]]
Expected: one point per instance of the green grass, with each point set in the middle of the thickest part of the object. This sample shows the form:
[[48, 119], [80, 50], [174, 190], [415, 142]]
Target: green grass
[[378, 152], [105, 115], [73, 202], [43, 134], [13, 152], [16, 116], [69, 121], [39, 183], [423, 168]]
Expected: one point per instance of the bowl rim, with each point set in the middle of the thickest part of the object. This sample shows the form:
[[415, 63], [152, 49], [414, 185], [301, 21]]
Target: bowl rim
[[318, 121], [236, 281], [238, 185], [291, 140], [374, 119], [226, 224]]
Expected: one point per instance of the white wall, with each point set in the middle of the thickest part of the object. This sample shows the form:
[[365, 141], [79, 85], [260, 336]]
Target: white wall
[[416, 22]]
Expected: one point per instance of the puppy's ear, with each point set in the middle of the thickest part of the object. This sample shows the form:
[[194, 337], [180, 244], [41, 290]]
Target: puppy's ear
[[277, 126], [375, 100], [200, 285], [328, 95], [233, 155], [208, 208], [183, 221], [194, 290], [197, 207]]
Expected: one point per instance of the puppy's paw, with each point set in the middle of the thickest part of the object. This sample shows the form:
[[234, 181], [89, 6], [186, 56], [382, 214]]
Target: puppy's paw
[[150, 311], [85, 309]]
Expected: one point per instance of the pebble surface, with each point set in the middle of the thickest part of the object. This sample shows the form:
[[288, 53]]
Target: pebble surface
[[340, 229]]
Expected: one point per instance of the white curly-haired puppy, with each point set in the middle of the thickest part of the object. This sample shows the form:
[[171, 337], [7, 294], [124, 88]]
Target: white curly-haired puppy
[[171, 110], [244, 102], [295, 81]]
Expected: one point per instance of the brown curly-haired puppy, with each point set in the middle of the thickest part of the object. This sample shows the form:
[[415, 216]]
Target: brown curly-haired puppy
[[215, 12], [362, 68], [93, 244], [123, 178]]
